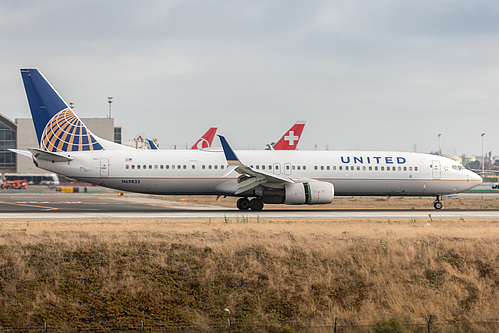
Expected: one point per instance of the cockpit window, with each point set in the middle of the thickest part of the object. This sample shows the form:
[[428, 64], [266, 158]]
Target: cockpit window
[[458, 167]]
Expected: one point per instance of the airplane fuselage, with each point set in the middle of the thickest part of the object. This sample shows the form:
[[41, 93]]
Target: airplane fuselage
[[197, 172]]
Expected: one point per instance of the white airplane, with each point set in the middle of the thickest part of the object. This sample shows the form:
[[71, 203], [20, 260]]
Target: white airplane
[[67, 147], [289, 141]]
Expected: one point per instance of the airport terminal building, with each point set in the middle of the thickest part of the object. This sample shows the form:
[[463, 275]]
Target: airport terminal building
[[20, 134]]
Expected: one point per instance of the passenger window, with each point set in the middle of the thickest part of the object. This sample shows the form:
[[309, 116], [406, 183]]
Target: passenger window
[[161, 166], [133, 166], [263, 167], [209, 166], [138, 166], [315, 167], [346, 167], [193, 167], [127, 166], [222, 167], [155, 166], [203, 167], [375, 168], [287, 167], [185, 166], [340, 167], [293, 167], [382, 168], [400, 168], [328, 167], [415, 168], [334, 167], [270, 167], [410, 168], [150, 166], [322, 167], [405, 168], [258, 167], [304, 167], [370, 168], [173, 166], [358, 167], [298, 167], [277, 167], [216, 167]]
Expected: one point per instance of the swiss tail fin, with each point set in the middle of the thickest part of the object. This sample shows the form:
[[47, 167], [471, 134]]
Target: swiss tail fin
[[290, 140], [57, 127], [206, 140]]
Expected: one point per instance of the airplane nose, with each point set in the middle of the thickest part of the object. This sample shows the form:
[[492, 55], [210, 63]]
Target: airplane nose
[[475, 178]]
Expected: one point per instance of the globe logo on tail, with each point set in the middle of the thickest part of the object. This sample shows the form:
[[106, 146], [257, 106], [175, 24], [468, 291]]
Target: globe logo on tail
[[66, 132]]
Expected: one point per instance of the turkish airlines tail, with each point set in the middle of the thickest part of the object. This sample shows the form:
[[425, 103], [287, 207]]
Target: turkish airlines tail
[[206, 140], [290, 140]]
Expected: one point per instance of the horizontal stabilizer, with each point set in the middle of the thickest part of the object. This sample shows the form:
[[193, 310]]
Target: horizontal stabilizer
[[21, 152], [49, 156]]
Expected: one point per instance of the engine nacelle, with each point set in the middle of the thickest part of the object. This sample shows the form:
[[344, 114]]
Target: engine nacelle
[[309, 193]]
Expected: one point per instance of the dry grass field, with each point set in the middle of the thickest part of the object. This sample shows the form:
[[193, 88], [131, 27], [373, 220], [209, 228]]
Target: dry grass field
[[120, 272]]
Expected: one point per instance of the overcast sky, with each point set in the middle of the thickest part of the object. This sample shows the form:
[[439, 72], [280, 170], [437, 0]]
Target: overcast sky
[[365, 75]]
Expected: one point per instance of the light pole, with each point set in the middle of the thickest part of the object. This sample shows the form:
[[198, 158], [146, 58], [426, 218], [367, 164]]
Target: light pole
[[439, 149], [483, 158], [109, 100]]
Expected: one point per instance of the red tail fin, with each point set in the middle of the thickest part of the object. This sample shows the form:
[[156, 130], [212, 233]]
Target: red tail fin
[[206, 140], [290, 140]]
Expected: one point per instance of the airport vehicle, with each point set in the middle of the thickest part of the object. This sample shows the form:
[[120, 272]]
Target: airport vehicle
[[34, 179], [15, 184], [67, 147]]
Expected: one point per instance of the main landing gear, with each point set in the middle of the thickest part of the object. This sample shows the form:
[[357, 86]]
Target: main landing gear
[[255, 204], [437, 203]]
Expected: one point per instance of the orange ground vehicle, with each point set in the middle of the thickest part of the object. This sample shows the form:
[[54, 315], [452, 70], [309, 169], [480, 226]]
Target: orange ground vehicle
[[15, 184]]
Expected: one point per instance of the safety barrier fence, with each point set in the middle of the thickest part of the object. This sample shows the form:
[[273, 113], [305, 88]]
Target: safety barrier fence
[[427, 324]]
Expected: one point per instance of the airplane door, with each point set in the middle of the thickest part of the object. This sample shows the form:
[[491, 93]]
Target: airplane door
[[277, 169], [287, 168], [437, 172], [104, 167]]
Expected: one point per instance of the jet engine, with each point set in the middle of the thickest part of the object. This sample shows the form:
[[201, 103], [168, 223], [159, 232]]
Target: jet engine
[[310, 193]]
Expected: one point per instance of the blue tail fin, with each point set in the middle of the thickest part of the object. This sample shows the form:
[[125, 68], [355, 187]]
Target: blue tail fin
[[57, 127]]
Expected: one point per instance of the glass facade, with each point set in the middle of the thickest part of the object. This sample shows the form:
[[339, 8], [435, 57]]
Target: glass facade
[[7, 141], [117, 135]]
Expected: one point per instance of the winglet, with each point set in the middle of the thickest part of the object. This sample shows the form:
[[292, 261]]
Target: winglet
[[152, 145], [230, 155]]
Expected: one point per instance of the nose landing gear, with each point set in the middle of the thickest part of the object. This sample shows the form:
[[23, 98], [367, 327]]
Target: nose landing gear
[[437, 203]]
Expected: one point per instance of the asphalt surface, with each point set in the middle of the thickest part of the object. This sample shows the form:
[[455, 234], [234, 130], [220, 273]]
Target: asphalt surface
[[19, 205]]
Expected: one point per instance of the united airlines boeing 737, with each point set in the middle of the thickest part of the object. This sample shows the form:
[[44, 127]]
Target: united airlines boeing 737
[[67, 147]]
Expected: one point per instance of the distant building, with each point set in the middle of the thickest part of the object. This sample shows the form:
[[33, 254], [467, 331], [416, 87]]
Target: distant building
[[21, 135], [8, 131]]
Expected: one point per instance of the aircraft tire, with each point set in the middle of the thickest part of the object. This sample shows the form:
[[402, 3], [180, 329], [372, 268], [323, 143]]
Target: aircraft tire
[[256, 204], [243, 204], [438, 205]]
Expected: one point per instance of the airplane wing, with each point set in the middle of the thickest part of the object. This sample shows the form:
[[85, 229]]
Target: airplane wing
[[250, 178]]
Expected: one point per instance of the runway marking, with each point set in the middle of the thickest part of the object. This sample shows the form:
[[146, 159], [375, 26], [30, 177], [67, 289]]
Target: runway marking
[[37, 206]]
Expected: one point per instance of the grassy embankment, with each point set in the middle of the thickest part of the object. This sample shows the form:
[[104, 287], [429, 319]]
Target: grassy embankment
[[188, 272]]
